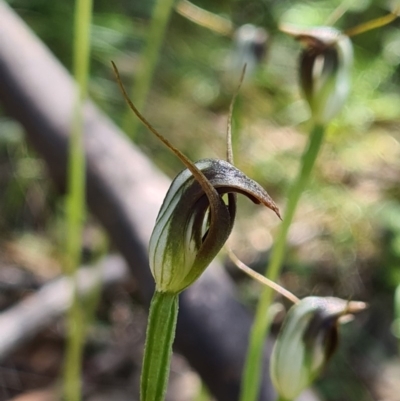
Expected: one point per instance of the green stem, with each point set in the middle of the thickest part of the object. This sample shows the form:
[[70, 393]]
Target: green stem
[[158, 349], [397, 314], [252, 370], [160, 17], [75, 207], [238, 124], [282, 399]]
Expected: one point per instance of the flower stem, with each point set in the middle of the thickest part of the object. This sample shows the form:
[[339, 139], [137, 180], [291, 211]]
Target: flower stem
[[158, 349], [252, 370]]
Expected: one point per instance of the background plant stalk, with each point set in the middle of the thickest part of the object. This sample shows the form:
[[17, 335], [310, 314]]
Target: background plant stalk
[[252, 370], [142, 79], [75, 204]]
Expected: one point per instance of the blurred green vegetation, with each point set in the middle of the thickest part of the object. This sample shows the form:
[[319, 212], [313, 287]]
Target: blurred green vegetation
[[346, 237]]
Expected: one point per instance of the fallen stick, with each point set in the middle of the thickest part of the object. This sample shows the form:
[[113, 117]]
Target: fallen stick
[[37, 311]]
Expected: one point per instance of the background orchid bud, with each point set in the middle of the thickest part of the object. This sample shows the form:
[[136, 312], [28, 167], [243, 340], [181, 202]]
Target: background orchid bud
[[325, 68], [306, 341], [249, 48], [187, 236]]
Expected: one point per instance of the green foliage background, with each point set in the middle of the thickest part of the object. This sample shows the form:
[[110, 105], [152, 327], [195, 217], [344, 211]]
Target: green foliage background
[[346, 238]]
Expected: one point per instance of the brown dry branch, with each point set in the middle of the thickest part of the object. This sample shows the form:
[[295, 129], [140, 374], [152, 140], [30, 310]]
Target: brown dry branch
[[37, 311]]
